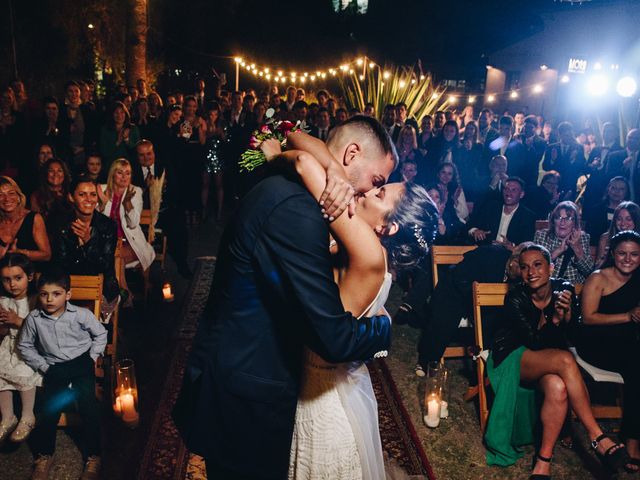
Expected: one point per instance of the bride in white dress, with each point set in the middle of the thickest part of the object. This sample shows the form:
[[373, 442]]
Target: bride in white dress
[[336, 433]]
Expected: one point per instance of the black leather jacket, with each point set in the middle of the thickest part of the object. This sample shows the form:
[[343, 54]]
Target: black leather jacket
[[94, 257], [522, 318]]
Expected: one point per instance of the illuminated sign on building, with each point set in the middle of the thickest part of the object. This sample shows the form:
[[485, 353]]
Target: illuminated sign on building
[[577, 65]]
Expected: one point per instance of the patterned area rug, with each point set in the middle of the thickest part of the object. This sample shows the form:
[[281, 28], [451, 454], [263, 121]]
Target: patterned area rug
[[165, 456]]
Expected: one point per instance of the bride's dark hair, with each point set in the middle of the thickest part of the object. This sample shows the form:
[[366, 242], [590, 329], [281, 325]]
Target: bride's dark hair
[[417, 218]]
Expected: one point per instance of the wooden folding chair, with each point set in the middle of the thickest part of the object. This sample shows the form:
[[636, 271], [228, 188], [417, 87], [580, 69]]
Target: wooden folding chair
[[542, 225], [448, 255], [484, 295], [88, 289], [161, 253]]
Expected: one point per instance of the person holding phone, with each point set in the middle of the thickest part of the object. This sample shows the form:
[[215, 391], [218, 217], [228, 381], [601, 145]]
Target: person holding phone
[[567, 242]]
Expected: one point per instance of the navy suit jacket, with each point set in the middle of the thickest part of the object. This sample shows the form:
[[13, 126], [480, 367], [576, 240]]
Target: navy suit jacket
[[273, 293], [521, 228]]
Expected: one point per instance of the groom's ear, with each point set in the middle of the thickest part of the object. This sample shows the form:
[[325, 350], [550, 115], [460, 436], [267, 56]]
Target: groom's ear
[[350, 153]]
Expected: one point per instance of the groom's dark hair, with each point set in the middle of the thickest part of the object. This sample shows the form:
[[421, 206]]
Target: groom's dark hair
[[371, 128]]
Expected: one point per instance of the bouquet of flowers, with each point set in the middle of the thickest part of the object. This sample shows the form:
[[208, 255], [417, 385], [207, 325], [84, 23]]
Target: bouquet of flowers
[[254, 157]]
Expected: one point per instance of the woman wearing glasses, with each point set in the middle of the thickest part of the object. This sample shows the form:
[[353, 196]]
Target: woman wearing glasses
[[568, 243]]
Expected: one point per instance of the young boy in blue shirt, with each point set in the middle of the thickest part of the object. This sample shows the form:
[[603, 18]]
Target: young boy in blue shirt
[[63, 341]]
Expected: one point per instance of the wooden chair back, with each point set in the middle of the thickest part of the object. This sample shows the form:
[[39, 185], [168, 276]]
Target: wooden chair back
[[161, 254], [484, 295], [88, 288], [542, 225], [448, 255]]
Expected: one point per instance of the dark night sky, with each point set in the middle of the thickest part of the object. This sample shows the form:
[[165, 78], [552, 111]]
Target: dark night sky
[[441, 33]]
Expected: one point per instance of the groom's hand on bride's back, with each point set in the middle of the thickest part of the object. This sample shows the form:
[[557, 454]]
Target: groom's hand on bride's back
[[338, 193]]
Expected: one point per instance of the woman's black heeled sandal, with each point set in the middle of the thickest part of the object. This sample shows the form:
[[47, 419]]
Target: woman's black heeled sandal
[[539, 476], [614, 457]]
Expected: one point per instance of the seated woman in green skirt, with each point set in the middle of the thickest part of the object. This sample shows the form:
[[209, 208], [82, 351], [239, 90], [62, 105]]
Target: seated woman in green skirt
[[531, 353]]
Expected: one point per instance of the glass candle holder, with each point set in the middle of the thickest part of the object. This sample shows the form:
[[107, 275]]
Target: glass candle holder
[[125, 393], [445, 373], [432, 402]]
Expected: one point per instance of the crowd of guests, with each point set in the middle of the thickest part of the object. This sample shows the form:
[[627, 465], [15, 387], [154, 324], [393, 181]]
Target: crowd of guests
[[548, 209], [77, 173]]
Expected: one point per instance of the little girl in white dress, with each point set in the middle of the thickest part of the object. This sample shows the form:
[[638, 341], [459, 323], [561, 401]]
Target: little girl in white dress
[[16, 273]]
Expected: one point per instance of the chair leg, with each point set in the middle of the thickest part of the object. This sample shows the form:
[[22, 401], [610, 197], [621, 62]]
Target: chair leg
[[147, 286]]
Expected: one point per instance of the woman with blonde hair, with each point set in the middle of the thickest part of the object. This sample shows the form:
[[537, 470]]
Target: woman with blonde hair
[[21, 231], [122, 202]]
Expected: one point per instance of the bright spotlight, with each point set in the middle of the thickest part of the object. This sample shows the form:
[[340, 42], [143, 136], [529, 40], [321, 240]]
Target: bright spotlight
[[360, 62], [564, 79], [491, 98], [537, 88], [472, 99], [597, 66], [238, 59], [361, 77], [434, 95], [402, 84], [597, 85], [513, 95], [453, 99], [626, 87], [371, 65], [386, 75]]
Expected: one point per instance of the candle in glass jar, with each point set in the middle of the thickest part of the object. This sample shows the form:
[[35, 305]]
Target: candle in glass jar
[[129, 413], [432, 418], [167, 294], [444, 409]]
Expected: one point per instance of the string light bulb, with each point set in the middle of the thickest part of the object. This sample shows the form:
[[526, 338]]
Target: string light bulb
[[361, 77], [422, 77], [513, 94], [472, 99], [371, 64], [452, 99], [238, 59], [386, 75], [313, 78], [491, 98], [434, 96], [537, 88], [402, 83], [360, 61]]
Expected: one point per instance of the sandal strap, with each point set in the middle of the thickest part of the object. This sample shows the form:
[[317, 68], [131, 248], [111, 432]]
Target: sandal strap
[[598, 439], [544, 459]]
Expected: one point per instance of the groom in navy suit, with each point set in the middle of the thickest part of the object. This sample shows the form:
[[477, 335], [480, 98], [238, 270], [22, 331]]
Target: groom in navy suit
[[273, 294]]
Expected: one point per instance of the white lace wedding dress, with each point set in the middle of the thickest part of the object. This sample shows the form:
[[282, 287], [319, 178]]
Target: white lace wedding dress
[[336, 435]]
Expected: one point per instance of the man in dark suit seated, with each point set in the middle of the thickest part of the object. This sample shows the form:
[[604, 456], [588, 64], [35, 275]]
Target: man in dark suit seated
[[273, 294], [170, 220], [507, 223]]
